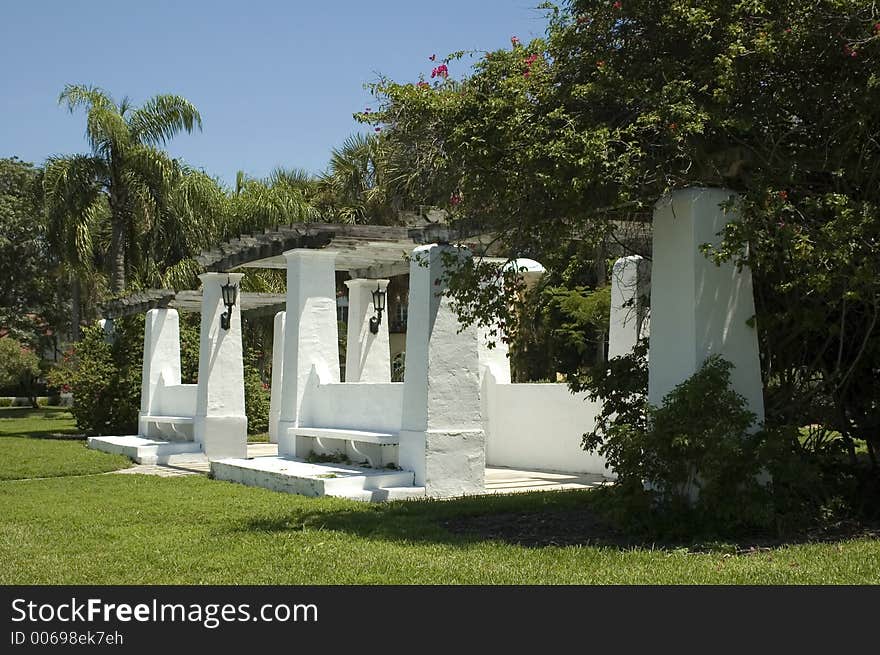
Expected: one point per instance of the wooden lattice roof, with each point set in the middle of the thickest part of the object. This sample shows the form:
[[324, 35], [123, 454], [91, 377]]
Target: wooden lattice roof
[[365, 250], [253, 304]]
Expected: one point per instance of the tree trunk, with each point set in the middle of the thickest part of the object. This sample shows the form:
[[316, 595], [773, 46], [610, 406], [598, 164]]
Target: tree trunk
[[75, 308], [117, 256], [601, 280]]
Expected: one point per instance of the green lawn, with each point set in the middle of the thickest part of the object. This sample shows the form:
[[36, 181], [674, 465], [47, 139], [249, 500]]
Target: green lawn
[[138, 529], [53, 422], [42, 443]]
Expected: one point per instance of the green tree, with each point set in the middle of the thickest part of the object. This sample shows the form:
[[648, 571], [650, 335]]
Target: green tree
[[571, 135], [19, 368], [28, 304], [367, 181], [126, 169]]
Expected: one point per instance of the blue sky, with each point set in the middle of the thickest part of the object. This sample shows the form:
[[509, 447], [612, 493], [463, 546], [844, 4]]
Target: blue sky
[[276, 82]]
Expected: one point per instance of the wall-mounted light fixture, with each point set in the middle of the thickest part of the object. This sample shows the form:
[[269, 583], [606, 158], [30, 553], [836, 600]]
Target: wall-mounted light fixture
[[379, 306], [230, 294]]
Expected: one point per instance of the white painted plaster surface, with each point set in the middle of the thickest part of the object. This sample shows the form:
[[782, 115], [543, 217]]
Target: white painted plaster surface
[[277, 376], [175, 399], [220, 422], [367, 355], [442, 439], [697, 308], [310, 331], [539, 426], [353, 405], [630, 280], [161, 354]]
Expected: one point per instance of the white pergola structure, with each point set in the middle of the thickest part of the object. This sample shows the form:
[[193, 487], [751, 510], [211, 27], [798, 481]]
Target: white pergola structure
[[456, 410]]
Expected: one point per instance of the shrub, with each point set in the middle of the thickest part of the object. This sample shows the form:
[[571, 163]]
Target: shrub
[[256, 401], [5, 402], [19, 367], [105, 378], [691, 461]]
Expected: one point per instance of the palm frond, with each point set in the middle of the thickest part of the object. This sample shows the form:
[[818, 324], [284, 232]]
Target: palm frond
[[77, 95], [162, 117]]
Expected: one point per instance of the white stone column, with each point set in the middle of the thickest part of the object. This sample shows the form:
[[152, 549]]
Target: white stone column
[[161, 359], [630, 280], [367, 355], [442, 439], [495, 359], [220, 421], [699, 309], [310, 334], [277, 376]]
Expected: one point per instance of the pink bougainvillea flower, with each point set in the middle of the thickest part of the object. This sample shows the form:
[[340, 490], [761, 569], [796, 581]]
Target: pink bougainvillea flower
[[432, 57], [531, 59], [783, 195], [849, 51], [527, 73], [618, 5], [423, 85], [514, 40], [600, 63], [877, 28], [378, 129], [455, 199], [582, 20], [673, 127]]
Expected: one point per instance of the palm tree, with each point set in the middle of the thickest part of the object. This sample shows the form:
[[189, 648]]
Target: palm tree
[[284, 197], [355, 188], [126, 168]]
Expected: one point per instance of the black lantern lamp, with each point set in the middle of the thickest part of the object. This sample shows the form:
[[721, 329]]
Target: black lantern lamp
[[379, 306], [230, 294]]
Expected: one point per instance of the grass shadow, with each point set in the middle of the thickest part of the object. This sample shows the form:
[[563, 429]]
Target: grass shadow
[[530, 520], [40, 423]]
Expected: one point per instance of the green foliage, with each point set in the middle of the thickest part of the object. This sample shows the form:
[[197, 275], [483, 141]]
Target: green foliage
[[105, 378], [126, 173], [28, 303], [693, 456], [19, 367], [256, 400], [572, 135], [577, 319]]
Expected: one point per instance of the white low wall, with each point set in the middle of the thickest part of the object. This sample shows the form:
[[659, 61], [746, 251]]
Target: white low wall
[[538, 426], [175, 400], [353, 405]]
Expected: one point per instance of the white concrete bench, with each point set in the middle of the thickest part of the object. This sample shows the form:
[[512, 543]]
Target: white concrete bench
[[352, 436], [174, 421]]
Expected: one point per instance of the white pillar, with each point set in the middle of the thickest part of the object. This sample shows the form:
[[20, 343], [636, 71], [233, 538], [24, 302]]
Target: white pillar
[[161, 359], [277, 376], [699, 309], [442, 439], [367, 355], [220, 421], [310, 334], [495, 359], [630, 280]]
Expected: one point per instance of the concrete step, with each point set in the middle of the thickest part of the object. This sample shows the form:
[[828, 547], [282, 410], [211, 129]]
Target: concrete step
[[299, 477], [143, 450]]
